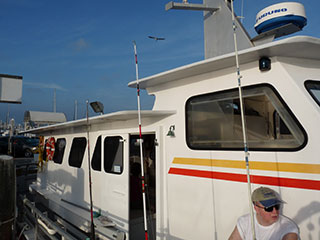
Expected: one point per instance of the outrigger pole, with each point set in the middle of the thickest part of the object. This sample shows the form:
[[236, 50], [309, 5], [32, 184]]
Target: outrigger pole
[[245, 142], [141, 149], [92, 237]]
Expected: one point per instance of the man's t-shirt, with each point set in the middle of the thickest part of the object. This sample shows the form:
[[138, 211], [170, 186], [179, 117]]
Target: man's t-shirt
[[276, 231]]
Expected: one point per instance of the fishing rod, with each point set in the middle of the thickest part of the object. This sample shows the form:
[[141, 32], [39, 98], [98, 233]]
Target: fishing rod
[[245, 142], [140, 144], [90, 182]]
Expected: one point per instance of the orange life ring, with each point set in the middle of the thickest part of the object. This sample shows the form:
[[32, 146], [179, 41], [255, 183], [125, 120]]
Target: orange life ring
[[50, 148]]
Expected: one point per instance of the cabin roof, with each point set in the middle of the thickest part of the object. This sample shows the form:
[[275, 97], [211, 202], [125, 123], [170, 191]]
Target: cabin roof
[[297, 47], [116, 116]]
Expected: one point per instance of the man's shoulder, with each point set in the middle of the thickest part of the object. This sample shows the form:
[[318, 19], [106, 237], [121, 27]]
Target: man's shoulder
[[288, 225], [243, 225], [285, 220], [245, 217], [244, 220]]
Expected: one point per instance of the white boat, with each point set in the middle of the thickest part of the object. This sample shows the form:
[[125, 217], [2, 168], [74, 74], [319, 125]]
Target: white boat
[[195, 163]]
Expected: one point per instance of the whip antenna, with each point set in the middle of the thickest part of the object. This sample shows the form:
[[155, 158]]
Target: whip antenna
[[140, 144], [90, 182], [245, 143]]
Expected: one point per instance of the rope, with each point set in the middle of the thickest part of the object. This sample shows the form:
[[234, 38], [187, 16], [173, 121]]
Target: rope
[[7, 221], [24, 228], [245, 143]]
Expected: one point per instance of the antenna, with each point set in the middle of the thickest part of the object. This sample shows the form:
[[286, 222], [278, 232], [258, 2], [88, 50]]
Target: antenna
[[7, 118], [242, 17], [75, 110], [54, 100]]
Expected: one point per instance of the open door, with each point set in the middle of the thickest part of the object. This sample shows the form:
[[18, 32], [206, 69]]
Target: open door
[[115, 192], [136, 222]]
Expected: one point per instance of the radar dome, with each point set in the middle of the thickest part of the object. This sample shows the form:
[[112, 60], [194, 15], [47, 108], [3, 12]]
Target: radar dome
[[280, 14]]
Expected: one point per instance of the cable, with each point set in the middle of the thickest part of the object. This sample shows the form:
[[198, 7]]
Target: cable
[[24, 228]]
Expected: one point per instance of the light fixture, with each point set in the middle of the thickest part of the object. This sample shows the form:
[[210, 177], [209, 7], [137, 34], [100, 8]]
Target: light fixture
[[171, 131], [97, 107], [264, 64]]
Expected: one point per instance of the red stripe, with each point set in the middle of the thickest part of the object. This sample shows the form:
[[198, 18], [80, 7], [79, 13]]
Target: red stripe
[[273, 181]]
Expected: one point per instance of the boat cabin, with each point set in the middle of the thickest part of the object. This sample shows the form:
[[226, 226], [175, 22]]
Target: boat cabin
[[193, 154]]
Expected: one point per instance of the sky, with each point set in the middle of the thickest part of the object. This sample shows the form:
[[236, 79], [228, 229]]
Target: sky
[[83, 50]]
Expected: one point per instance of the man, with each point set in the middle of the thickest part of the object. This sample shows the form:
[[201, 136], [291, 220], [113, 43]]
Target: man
[[269, 224]]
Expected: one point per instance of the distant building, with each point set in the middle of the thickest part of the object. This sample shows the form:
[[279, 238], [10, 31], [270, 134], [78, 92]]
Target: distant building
[[37, 119]]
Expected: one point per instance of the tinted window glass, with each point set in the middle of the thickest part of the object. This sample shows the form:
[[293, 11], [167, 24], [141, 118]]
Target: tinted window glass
[[96, 158], [4, 139], [113, 155], [77, 151], [213, 121], [60, 145], [32, 141], [313, 88]]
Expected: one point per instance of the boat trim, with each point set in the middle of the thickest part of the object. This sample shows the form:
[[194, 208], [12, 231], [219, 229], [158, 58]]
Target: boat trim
[[235, 177], [116, 116], [254, 165]]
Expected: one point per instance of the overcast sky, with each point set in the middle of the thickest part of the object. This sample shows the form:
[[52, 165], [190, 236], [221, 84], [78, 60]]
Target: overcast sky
[[84, 49]]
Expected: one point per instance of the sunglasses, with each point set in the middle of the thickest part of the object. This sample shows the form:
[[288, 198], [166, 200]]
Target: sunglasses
[[270, 209]]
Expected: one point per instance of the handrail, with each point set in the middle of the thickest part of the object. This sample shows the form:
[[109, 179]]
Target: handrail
[[47, 220]]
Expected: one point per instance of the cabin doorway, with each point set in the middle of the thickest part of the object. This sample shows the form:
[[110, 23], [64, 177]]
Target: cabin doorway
[[136, 219]]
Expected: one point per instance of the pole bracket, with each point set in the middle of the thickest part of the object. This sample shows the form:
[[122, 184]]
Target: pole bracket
[[190, 6]]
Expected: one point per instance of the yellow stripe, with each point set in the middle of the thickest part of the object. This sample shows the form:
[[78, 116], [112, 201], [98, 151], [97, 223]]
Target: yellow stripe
[[267, 166]]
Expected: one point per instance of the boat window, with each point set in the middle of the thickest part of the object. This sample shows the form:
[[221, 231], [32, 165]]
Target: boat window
[[213, 121], [313, 88], [113, 154], [96, 158], [78, 148], [60, 145]]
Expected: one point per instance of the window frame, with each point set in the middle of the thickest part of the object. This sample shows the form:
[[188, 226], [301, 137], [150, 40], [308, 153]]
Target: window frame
[[121, 141], [94, 158], [275, 149], [307, 84], [55, 160]]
